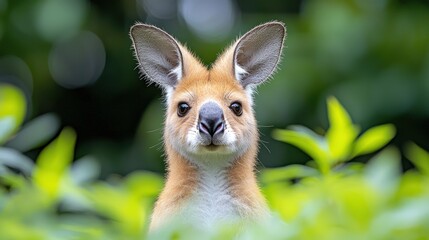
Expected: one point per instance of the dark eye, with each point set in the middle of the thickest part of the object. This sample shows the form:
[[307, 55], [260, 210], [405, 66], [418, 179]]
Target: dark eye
[[182, 109], [236, 108]]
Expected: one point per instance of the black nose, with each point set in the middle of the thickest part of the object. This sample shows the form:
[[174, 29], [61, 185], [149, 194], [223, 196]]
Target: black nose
[[211, 119]]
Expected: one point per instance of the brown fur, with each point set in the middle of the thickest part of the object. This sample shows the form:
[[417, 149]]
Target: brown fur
[[197, 85]]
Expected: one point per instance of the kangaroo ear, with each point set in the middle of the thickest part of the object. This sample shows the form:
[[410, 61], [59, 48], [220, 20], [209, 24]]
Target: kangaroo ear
[[158, 54], [257, 53]]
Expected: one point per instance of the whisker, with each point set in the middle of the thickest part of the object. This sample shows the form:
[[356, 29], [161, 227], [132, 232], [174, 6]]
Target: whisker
[[264, 143], [157, 145], [265, 126], [260, 163], [155, 130]]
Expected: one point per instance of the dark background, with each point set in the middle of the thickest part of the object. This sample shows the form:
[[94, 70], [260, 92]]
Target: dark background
[[73, 58]]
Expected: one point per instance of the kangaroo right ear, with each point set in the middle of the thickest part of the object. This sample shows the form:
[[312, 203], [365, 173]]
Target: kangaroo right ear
[[257, 53], [158, 54]]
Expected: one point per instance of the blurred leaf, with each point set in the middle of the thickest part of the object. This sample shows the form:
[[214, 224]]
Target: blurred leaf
[[373, 139], [124, 207], [14, 181], [305, 142], [7, 125], [84, 170], [3, 170], [419, 157], [341, 133], [15, 159], [81, 174], [350, 168], [406, 217], [35, 133], [288, 172], [52, 163], [12, 104], [15, 230], [302, 129], [144, 184], [383, 171]]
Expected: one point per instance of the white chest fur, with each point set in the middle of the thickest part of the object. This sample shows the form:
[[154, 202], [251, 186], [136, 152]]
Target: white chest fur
[[212, 200]]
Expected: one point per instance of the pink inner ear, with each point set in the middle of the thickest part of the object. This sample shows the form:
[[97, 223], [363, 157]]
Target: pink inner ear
[[257, 53], [158, 54]]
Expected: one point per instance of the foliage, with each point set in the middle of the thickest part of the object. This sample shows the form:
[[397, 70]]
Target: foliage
[[340, 199], [12, 110], [54, 199], [330, 198]]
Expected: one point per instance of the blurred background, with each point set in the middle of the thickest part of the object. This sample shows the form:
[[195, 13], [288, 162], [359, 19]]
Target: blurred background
[[73, 58]]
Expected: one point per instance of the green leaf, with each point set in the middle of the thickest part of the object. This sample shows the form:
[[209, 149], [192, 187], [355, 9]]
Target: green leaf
[[12, 105], [310, 133], [374, 139], [84, 170], [338, 116], [35, 133], [341, 133], [288, 172], [13, 180], [383, 171], [144, 184], [128, 210], [15, 159], [7, 125], [53, 162], [306, 143], [419, 157]]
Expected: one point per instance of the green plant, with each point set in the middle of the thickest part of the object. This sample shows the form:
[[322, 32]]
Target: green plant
[[55, 199], [341, 142], [60, 198], [334, 199]]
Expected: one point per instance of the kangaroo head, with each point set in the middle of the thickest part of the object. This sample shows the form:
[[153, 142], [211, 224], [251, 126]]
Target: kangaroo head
[[209, 115]]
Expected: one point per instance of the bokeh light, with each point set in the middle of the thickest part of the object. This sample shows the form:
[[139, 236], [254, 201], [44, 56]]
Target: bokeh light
[[210, 20], [77, 61], [59, 18]]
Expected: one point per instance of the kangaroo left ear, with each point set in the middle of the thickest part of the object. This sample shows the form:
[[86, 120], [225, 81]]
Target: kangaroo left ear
[[257, 53], [159, 55]]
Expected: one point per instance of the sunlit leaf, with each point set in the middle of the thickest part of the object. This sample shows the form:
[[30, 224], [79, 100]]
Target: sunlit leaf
[[350, 168], [341, 133], [306, 143], [115, 202], [18, 230], [302, 129], [14, 181], [53, 162], [419, 157], [288, 172], [144, 184], [338, 116], [374, 139], [35, 133], [12, 105]]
